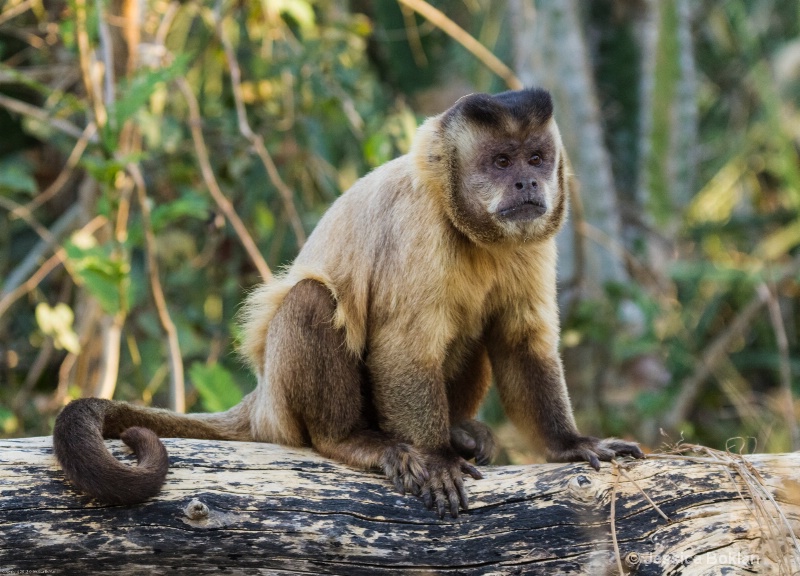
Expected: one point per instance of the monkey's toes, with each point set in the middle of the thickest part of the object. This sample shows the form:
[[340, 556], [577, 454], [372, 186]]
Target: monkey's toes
[[445, 489], [406, 468]]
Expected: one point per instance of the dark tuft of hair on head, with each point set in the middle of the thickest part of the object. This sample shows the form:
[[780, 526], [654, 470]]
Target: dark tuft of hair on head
[[478, 108], [529, 104]]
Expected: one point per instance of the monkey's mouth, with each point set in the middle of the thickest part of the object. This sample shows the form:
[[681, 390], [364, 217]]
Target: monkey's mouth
[[525, 211]]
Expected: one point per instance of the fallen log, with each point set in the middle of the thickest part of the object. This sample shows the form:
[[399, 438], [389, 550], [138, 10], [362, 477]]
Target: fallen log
[[244, 508]]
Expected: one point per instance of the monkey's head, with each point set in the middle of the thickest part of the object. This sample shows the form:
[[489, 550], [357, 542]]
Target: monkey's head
[[499, 165]]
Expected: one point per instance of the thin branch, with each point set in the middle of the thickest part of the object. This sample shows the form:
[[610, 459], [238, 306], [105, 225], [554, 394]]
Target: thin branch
[[717, 351], [64, 224], [655, 506], [457, 33], [166, 23], [66, 172], [413, 38], [45, 269], [107, 49], [29, 219], [712, 356], [177, 388], [15, 11], [785, 368], [621, 253], [84, 57], [257, 142], [14, 105], [109, 359], [225, 205]]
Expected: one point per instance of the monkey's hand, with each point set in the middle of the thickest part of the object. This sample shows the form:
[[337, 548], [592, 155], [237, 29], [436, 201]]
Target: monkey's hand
[[592, 450], [405, 467], [473, 439], [445, 485]]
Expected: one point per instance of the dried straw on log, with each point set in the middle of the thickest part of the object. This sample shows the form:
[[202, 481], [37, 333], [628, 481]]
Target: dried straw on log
[[244, 508]]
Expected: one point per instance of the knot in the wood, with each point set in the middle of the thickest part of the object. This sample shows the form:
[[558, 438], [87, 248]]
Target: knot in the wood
[[583, 488], [631, 562], [196, 510]]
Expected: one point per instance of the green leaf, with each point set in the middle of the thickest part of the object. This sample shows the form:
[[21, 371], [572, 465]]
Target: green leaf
[[298, 10], [105, 275], [189, 205], [104, 170], [135, 93], [56, 322], [216, 387], [8, 421], [15, 176]]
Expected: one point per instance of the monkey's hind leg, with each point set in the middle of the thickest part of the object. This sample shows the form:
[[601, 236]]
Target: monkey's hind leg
[[322, 385]]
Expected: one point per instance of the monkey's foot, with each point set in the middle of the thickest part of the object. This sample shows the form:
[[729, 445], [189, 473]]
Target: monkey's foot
[[445, 486], [473, 439], [405, 467], [592, 450]]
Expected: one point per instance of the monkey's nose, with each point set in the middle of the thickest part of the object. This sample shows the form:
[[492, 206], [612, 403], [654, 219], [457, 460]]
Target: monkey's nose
[[520, 185]]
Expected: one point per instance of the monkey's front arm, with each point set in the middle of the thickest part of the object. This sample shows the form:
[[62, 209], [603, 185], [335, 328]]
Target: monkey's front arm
[[529, 377]]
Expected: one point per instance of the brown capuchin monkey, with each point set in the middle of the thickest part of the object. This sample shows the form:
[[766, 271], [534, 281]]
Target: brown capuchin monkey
[[431, 275]]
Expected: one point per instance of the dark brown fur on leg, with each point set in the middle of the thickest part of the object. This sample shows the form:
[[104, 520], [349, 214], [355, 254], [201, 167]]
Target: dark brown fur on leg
[[326, 388]]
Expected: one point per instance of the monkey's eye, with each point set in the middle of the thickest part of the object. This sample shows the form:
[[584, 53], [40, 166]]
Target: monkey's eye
[[535, 160], [502, 161]]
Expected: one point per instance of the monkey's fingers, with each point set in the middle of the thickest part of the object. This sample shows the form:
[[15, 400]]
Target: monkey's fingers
[[581, 454], [425, 494], [445, 488], [473, 439], [441, 501], [462, 494], [448, 495], [622, 448], [468, 468], [462, 442], [593, 450]]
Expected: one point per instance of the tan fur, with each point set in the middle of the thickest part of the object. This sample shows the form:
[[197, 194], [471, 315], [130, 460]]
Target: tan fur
[[430, 273]]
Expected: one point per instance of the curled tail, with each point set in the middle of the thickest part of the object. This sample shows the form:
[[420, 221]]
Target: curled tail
[[79, 447]]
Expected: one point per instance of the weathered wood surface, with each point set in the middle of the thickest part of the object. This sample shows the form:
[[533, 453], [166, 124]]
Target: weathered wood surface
[[244, 508]]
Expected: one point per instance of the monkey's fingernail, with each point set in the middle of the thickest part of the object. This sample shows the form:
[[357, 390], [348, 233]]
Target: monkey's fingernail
[[594, 462]]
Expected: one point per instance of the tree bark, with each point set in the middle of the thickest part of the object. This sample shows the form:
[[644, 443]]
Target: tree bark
[[244, 508]]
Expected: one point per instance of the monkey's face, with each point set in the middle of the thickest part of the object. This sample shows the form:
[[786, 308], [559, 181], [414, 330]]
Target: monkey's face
[[506, 176]]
